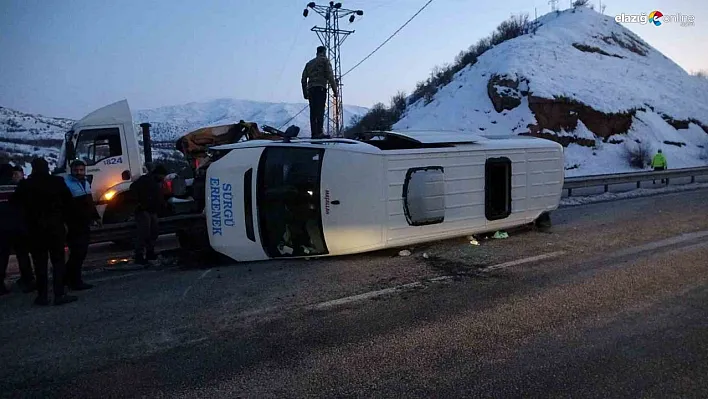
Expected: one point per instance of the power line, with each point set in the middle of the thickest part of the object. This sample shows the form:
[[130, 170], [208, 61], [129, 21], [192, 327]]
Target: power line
[[389, 38], [294, 116]]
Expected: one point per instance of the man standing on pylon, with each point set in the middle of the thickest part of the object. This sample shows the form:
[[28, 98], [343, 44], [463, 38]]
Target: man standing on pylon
[[315, 77]]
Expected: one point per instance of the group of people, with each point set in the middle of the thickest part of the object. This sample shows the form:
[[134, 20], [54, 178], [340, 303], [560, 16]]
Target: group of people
[[42, 216], [46, 214]]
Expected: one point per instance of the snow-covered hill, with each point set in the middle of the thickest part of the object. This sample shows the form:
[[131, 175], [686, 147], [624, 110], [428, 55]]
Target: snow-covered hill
[[23, 135], [581, 79]]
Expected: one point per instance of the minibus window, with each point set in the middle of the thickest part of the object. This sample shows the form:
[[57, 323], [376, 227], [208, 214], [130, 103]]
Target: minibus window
[[424, 196], [288, 201], [497, 188]]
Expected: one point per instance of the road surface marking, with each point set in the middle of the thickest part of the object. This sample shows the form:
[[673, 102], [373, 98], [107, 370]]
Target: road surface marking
[[204, 274], [522, 261], [364, 296], [418, 284], [662, 243], [184, 295], [104, 279]]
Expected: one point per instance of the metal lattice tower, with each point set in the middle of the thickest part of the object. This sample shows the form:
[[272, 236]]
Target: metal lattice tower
[[332, 38]]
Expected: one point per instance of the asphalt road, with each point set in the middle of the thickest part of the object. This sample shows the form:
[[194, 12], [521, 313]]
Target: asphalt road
[[611, 302]]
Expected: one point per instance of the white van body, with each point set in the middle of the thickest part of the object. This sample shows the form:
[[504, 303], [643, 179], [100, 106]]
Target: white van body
[[349, 196]]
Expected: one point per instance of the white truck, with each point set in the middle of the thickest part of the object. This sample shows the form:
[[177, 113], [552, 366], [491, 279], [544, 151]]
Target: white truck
[[106, 140]]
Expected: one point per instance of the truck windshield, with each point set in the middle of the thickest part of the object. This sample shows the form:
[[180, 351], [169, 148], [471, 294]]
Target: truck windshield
[[288, 201]]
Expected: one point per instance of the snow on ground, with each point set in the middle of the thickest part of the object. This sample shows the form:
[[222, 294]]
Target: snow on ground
[[554, 67], [19, 125]]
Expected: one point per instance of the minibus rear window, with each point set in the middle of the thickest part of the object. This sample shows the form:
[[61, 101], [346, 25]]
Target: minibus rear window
[[288, 201]]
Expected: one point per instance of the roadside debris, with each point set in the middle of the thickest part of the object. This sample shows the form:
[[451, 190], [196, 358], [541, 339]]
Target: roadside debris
[[404, 252], [425, 255], [501, 234], [474, 241]]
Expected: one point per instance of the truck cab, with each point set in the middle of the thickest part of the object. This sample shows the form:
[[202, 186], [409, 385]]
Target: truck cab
[[105, 139]]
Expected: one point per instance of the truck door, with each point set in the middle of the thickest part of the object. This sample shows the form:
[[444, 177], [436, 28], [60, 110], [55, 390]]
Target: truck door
[[103, 150]]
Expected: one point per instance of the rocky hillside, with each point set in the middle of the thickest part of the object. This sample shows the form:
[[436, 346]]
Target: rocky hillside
[[579, 78]]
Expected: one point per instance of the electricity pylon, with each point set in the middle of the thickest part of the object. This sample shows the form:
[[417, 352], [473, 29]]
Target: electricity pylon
[[332, 38]]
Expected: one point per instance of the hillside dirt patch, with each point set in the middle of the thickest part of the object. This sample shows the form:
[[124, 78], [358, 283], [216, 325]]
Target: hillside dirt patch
[[683, 123], [562, 113], [628, 43], [562, 140], [592, 49]]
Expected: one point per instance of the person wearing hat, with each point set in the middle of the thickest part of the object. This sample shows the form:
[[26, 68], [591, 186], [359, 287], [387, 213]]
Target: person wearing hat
[[150, 198], [83, 215], [45, 202], [315, 77]]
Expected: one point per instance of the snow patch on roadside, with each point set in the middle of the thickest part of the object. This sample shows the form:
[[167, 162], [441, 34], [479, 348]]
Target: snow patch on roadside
[[640, 192]]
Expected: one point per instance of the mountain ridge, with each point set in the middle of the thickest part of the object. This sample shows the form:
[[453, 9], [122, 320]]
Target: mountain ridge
[[25, 135]]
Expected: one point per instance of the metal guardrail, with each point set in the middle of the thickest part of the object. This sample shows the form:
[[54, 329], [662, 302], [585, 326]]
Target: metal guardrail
[[126, 231], [634, 177], [169, 225]]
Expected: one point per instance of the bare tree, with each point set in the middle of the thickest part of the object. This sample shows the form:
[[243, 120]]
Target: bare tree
[[638, 155]]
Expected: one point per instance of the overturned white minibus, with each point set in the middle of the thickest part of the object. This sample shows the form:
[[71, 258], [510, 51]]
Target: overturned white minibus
[[310, 198]]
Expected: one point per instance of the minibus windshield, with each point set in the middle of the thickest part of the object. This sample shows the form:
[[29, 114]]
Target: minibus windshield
[[288, 201]]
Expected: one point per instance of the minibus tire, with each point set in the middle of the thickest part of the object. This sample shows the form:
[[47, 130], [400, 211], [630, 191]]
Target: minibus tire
[[543, 221]]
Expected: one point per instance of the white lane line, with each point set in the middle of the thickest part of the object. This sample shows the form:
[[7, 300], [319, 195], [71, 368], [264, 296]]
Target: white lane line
[[418, 284], [522, 261], [662, 243], [121, 276], [442, 278], [184, 295], [364, 296], [204, 274]]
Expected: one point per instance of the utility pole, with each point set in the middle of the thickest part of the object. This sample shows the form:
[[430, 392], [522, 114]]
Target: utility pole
[[554, 5], [332, 38]]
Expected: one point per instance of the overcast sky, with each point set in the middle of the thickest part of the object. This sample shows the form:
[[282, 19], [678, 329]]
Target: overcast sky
[[69, 57]]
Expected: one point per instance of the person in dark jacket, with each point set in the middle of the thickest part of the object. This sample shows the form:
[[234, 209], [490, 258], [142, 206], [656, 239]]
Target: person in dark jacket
[[13, 233], [83, 215], [316, 75], [150, 198], [46, 203], [7, 228]]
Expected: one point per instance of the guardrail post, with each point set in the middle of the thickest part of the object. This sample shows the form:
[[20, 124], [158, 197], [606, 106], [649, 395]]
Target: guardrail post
[[639, 184], [693, 179], [607, 187], [570, 192]]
